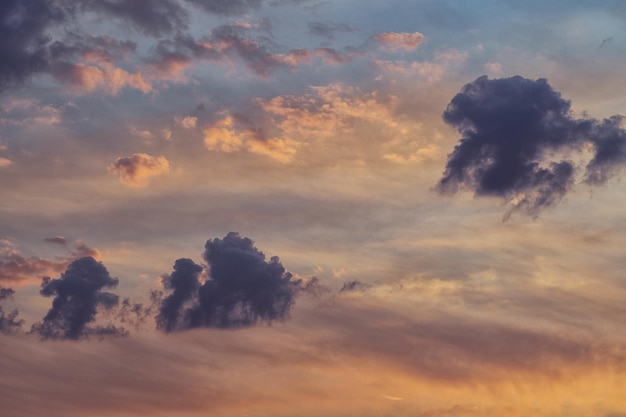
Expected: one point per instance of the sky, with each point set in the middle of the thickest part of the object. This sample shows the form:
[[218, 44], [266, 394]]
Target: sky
[[312, 208]]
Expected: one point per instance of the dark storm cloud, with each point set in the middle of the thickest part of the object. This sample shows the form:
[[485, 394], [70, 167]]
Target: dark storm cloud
[[152, 17], [9, 323], [184, 282], [77, 295], [513, 130], [242, 288], [23, 38], [226, 7]]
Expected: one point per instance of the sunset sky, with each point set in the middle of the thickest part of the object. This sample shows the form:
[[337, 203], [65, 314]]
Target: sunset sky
[[305, 208]]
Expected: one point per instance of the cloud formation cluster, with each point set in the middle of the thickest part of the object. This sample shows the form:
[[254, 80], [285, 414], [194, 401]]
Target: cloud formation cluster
[[517, 135], [242, 288]]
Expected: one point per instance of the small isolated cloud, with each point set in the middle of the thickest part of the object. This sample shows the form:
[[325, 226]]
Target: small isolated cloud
[[241, 290], [516, 136], [188, 122], [58, 240], [4, 162], [78, 293], [136, 170], [394, 41]]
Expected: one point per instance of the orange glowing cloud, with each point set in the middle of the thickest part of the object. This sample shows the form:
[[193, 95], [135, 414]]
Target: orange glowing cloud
[[225, 136], [102, 76], [136, 170], [393, 41]]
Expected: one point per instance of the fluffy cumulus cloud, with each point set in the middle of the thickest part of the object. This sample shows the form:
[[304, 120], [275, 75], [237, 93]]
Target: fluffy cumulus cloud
[[242, 288], [136, 170], [78, 293], [518, 136]]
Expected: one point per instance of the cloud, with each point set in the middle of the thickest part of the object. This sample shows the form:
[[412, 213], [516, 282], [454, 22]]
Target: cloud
[[15, 267], [136, 170], [6, 293], [58, 240], [354, 286], [242, 288], [228, 8], [222, 136], [152, 17], [102, 76], [188, 122], [515, 134], [77, 296], [392, 41], [432, 71], [184, 282], [23, 39], [227, 135], [227, 44], [9, 324], [328, 30]]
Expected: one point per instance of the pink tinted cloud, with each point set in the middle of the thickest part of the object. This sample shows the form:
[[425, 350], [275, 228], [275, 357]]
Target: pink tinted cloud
[[394, 41], [17, 268]]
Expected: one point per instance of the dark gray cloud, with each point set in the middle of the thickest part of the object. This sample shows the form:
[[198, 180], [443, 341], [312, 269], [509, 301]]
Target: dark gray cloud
[[328, 30], [77, 295], [242, 288], [152, 17], [355, 285], [184, 282], [514, 135], [57, 240], [9, 323], [226, 7], [6, 293], [23, 38]]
